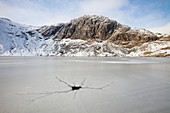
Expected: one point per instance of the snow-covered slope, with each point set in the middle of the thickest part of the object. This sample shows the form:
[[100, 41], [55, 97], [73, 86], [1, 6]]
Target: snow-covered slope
[[22, 40], [85, 36]]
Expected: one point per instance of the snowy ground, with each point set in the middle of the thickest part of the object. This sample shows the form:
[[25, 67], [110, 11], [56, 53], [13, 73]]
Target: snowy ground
[[140, 85]]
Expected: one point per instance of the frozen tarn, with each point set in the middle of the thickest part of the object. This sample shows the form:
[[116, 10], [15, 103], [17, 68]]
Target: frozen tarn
[[117, 62], [143, 88]]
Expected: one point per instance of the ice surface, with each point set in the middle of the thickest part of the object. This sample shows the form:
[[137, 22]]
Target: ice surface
[[136, 88]]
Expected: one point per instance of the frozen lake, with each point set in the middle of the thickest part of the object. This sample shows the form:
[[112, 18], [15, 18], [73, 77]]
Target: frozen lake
[[134, 85]]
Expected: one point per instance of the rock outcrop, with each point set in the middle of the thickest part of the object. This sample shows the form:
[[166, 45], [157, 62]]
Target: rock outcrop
[[99, 28], [88, 27]]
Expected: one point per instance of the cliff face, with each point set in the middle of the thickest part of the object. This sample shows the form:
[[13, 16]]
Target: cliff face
[[99, 28], [86, 27], [84, 36]]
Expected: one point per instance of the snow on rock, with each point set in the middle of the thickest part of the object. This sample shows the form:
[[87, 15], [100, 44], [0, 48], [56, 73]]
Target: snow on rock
[[152, 49], [22, 40], [77, 47]]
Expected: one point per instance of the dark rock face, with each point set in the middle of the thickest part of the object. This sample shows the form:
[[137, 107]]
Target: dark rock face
[[133, 35], [48, 31], [97, 28], [86, 27], [166, 38]]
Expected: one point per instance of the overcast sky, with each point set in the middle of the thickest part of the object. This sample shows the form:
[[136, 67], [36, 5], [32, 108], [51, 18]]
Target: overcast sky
[[150, 14]]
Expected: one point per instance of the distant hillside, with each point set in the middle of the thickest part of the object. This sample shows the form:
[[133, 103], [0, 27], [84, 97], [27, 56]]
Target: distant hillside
[[84, 36]]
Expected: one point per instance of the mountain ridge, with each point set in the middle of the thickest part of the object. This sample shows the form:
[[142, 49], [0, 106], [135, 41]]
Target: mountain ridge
[[85, 36]]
